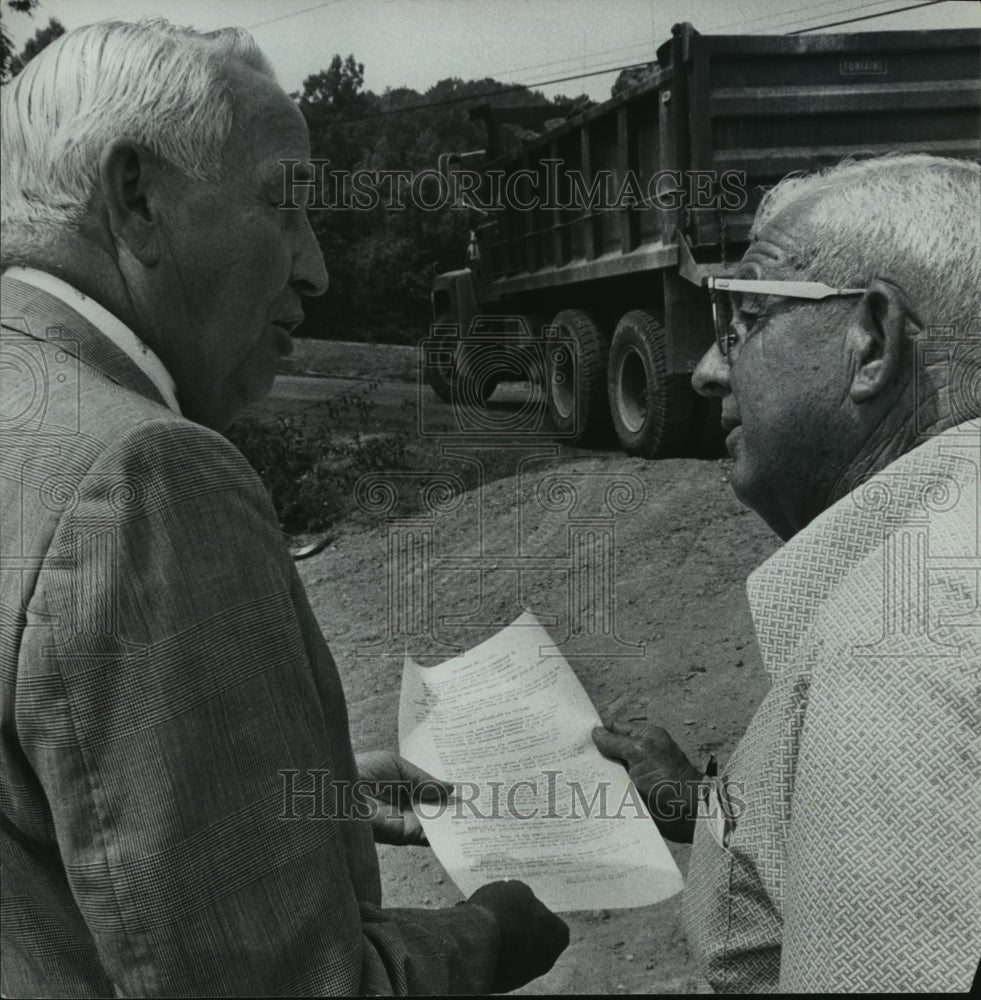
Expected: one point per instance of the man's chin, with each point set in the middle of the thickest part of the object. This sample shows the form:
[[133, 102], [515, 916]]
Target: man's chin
[[238, 401], [258, 381], [746, 489], [737, 483], [734, 440]]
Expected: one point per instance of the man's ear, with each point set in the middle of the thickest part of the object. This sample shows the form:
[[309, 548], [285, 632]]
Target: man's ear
[[129, 177], [878, 333]]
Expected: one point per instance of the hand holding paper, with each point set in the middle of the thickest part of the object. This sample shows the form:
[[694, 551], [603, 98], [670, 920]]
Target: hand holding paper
[[394, 783], [660, 770]]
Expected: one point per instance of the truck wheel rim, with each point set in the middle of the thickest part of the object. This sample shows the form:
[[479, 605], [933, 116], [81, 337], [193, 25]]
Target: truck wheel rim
[[632, 391]]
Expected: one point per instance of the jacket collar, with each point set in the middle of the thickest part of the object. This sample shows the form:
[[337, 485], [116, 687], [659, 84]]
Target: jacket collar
[[42, 316]]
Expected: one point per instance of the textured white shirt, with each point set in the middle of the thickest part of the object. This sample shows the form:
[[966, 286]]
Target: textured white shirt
[[854, 860], [117, 331]]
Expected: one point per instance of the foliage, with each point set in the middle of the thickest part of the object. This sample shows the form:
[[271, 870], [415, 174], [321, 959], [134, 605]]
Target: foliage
[[6, 41], [309, 470], [43, 37], [382, 261], [10, 64], [311, 456]]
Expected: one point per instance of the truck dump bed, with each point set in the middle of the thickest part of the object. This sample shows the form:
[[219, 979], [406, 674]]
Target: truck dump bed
[[720, 118], [600, 231]]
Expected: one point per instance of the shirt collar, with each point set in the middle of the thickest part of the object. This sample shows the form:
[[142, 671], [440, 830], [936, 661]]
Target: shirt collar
[[112, 327]]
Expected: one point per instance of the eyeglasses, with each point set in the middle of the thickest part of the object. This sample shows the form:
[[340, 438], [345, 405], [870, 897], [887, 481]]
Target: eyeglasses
[[732, 296]]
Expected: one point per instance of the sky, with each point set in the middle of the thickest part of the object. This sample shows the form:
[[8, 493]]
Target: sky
[[415, 43]]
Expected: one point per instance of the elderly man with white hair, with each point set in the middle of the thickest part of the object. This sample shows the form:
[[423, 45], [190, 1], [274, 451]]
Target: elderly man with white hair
[[839, 849], [162, 672]]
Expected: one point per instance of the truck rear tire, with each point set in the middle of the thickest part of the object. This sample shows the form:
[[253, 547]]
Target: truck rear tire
[[576, 377], [652, 410]]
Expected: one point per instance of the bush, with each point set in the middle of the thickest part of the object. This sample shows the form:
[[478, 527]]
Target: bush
[[309, 472]]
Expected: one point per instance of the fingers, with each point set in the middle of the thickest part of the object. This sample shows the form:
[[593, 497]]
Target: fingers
[[412, 831], [422, 784], [616, 746], [396, 779], [620, 728], [401, 829], [631, 746]]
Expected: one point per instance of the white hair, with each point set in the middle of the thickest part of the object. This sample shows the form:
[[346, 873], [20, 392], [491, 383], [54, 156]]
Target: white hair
[[152, 82], [913, 219]]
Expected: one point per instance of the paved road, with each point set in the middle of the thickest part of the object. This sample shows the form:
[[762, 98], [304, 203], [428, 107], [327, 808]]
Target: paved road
[[302, 388], [395, 403]]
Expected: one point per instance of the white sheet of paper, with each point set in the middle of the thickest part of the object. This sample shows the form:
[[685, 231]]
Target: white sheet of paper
[[535, 800]]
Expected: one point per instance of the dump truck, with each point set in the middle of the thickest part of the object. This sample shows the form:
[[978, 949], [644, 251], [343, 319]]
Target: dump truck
[[593, 234]]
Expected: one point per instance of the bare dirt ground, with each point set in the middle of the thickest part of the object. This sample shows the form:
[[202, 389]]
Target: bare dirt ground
[[678, 648]]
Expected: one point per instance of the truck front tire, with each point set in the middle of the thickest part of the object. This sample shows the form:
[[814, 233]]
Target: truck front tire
[[440, 368], [445, 377], [652, 410]]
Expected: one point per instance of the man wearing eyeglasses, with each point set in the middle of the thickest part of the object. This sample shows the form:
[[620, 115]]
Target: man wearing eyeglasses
[[838, 848]]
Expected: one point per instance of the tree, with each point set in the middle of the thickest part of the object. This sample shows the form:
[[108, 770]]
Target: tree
[[43, 37], [336, 87], [6, 41], [382, 261]]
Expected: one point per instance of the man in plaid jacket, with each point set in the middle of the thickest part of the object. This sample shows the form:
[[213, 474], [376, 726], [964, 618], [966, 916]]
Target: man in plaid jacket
[[161, 667]]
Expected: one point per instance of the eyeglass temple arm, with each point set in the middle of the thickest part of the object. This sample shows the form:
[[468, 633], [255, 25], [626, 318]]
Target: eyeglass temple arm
[[788, 289], [708, 276]]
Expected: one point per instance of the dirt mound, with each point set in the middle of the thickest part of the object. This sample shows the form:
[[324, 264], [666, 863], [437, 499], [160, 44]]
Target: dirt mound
[[663, 548]]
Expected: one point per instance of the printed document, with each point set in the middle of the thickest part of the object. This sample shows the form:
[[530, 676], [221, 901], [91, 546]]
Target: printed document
[[508, 723]]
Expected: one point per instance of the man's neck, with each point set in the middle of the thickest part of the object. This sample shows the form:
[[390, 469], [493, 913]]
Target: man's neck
[[887, 443]]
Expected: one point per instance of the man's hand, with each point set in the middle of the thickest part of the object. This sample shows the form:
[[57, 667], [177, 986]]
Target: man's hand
[[662, 773], [532, 937], [395, 785]]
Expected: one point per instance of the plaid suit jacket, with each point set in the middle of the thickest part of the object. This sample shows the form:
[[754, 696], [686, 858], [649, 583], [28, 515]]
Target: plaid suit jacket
[[160, 668]]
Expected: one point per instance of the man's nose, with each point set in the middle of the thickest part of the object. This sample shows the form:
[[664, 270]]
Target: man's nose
[[711, 377], [309, 275]]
